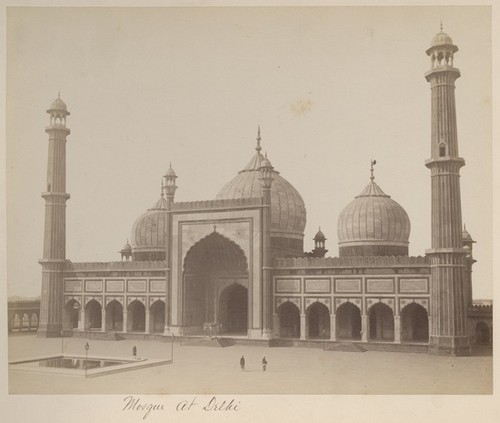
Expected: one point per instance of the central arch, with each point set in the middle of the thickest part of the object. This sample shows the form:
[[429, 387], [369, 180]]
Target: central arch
[[208, 265], [233, 310], [318, 320]]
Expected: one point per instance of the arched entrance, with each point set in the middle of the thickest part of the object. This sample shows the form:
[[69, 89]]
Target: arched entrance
[[157, 317], [17, 322], [233, 310], [381, 323], [93, 315], [348, 321], [136, 317], [34, 321], [26, 321], [318, 321], [114, 316], [71, 315], [414, 323], [207, 267], [482, 333], [289, 318]]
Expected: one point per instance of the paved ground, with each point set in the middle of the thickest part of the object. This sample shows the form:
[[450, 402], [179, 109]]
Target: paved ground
[[207, 370]]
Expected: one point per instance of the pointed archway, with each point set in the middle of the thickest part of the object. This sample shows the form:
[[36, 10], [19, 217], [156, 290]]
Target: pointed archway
[[209, 263], [381, 322], [233, 310], [482, 333], [318, 321], [414, 323], [93, 315], [71, 315], [289, 319], [157, 316], [114, 316], [136, 319], [348, 321]]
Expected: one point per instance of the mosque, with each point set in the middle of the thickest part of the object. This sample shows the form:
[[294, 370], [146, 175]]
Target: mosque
[[235, 266]]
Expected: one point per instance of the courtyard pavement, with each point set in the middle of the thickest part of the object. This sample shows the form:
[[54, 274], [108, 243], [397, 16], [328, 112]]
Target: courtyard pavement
[[211, 370]]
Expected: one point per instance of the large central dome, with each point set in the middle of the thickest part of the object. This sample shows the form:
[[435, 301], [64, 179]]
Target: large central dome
[[288, 211], [373, 224]]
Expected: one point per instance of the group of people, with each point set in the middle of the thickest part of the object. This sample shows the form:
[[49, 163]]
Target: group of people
[[264, 363]]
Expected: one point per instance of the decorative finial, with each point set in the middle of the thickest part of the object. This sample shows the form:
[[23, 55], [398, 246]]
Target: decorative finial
[[215, 228], [258, 148], [373, 162], [465, 227], [59, 94], [441, 26], [162, 188]]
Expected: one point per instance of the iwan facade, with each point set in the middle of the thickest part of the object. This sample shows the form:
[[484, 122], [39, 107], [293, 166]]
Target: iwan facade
[[235, 266]]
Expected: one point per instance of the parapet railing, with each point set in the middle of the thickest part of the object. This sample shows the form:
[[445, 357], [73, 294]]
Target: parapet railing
[[381, 261], [117, 265], [217, 204]]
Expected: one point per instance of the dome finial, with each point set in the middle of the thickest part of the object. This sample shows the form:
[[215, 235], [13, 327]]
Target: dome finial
[[373, 162], [441, 26], [59, 94], [258, 148]]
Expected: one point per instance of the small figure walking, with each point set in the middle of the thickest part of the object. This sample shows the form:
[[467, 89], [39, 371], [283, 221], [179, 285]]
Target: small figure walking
[[264, 363], [242, 362], [134, 352]]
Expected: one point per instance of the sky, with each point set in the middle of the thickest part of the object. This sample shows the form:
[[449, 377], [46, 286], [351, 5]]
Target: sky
[[331, 88]]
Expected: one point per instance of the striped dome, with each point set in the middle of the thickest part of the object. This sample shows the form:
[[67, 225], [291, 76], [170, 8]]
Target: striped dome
[[288, 211], [373, 219], [149, 232]]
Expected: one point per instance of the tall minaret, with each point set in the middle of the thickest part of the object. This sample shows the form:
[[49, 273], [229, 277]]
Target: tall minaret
[[448, 320], [169, 186], [266, 180], [54, 244]]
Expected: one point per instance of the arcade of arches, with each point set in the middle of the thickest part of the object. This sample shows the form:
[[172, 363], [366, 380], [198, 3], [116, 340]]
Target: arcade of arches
[[215, 287], [114, 318], [380, 323]]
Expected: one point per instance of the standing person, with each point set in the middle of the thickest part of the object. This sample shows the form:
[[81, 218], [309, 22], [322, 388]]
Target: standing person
[[264, 363], [134, 352], [242, 362]]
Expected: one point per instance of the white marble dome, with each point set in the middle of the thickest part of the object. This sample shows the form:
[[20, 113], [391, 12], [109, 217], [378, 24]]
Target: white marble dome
[[149, 233], [375, 222], [288, 211]]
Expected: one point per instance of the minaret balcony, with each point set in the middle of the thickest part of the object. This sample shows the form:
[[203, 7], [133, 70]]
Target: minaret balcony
[[442, 69], [458, 162], [47, 195], [58, 127]]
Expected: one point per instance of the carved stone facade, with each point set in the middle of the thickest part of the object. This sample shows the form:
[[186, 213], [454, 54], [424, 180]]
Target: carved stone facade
[[235, 266]]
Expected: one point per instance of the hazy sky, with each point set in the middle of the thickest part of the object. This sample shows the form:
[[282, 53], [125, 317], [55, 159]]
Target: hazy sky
[[331, 89]]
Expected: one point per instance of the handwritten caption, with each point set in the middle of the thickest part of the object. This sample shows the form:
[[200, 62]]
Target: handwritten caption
[[145, 409]]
